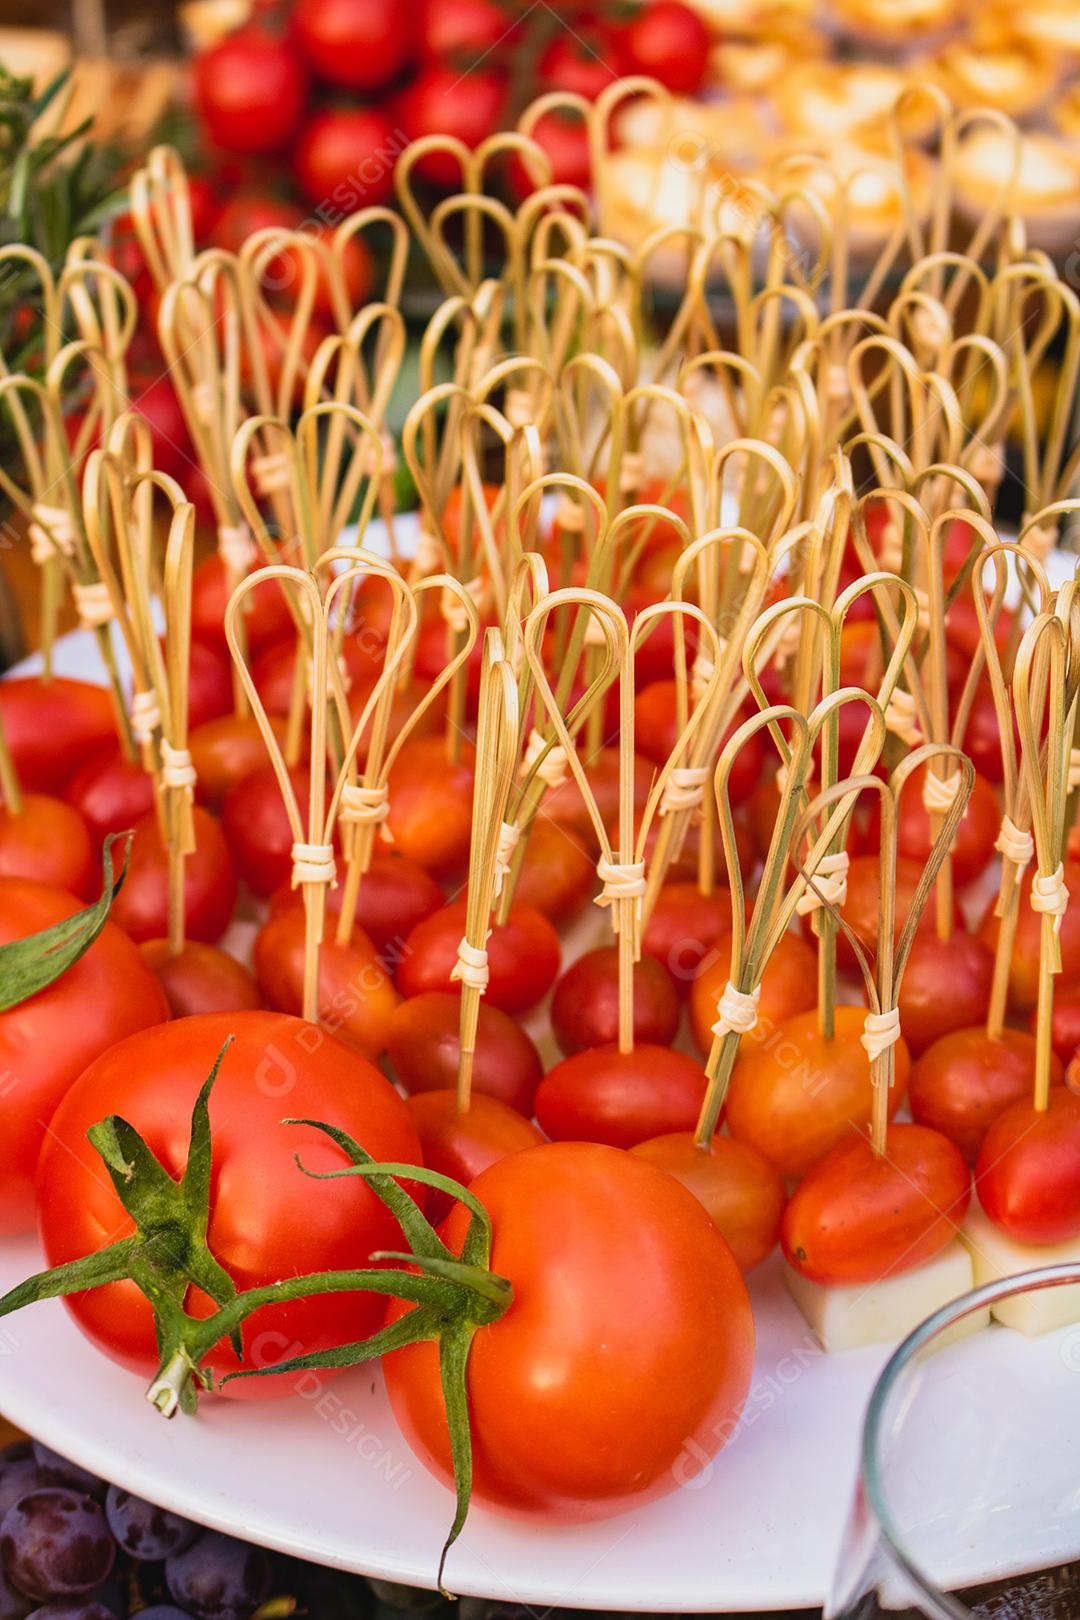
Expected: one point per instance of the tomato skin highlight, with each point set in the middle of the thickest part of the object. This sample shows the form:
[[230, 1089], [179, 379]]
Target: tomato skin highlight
[[963, 1082], [622, 1284], [858, 1217], [684, 928], [423, 1045], [110, 792], [250, 91], [1028, 1171], [620, 1098], [47, 1041], [963, 963], [430, 816], [741, 1191], [267, 1219]]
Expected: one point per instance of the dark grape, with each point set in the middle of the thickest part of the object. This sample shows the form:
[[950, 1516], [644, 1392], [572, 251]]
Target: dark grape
[[218, 1577], [55, 1543], [19, 1474], [73, 1608], [162, 1611], [113, 1595], [147, 1532], [13, 1605], [60, 1471]]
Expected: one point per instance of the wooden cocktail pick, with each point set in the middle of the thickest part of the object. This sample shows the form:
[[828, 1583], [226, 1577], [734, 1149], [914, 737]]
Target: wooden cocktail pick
[[161, 214]]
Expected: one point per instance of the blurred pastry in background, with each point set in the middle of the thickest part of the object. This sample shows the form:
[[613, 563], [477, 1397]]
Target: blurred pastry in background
[[898, 22], [857, 184], [827, 102], [1039, 174], [1016, 79], [1050, 25]]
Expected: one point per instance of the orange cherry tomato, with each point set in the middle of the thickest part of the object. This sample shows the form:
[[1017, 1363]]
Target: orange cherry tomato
[[565, 804], [557, 876], [794, 1095], [963, 1082], [585, 1005], [225, 752], [860, 1216], [48, 841], [201, 978], [462, 1145], [356, 994], [974, 847], [741, 1190], [685, 927], [1028, 1170], [142, 906], [430, 817], [946, 986], [423, 1047], [860, 909], [788, 986], [658, 1304], [604, 1095], [1024, 964], [523, 956]]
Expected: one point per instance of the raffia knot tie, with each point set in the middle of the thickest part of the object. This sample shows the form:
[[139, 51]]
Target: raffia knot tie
[[429, 552], [145, 717], [837, 384], [986, 464], [569, 516], [939, 792], [622, 880], [901, 717], [631, 472], [1050, 896], [702, 671], [891, 547], [518, 407], [361, 806], [272, 473], [471, 967], [830, 884], [931, 327], [1014, 844], [177, 770], [553, 766], [51, 533], [1040, 540], [453, 609], [313, 863], [93, 604], [509, 834], [380, 461], [880, 1031], [684, 789], [236, 548], [204, 400], [737, 1011]]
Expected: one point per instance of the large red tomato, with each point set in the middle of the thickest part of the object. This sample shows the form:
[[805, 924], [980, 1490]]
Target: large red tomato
[[47, 1041], [359, 43], [267, 1219], [621, 1366], [250, 91]]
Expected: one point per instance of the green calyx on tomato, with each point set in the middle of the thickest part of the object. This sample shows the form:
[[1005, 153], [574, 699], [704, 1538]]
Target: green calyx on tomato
[[32, 964]]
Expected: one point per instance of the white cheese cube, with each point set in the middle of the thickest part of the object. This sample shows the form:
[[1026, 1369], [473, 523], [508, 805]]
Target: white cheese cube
[[994, 1254], [848, 1317]]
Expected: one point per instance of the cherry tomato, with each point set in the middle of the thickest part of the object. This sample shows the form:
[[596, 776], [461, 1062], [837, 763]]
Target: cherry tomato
[[250, 91], [685, 927], [565, 804], [794, 1095], [430, 817], [668, 41], [462, 1145], [266, 617], [154, 399], [946, 986], [788, 987], [556, 875], [982, 737], [657, 732], [975, 836], [1065, 1025], [582, 60], [47, 1041], [462, 31], [585, 1006], [523, 956], [1024, 963], [442, 101], [48, 840], [206, 204], [356, 994], [210, 690], [962, 1083], [227, 751], [860, 909], [267, 1220], [424, 1047], [658, 1304], [565, 140], [741, 1190], [273, 670], [1028, 1171], [141, 907], [604, 1095], [257, 829], [110, 792], [201, 979], [395, 895], [860, 1216], [346, 155], [52, 727], [362, 44]]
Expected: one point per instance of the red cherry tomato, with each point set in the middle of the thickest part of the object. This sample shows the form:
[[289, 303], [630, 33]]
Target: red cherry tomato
[[47, 1041], [556, 875], [685, 927], [201, 978], [154, 399], [582, 60], [265, 618], [741, 1190], [565, 804], [658, 1304], [523, 956], [565, 140], [794, 1095], [205, 202], [442, 101], [110, 792], [860, 909], [48, 841], [141, 907], [668, 41], [946, 986], [1024, 962], [210, 691], [52, 727], [585, 1006], [982, 737], [975, 836], [963, 1082], [462, 1145], [250, 92], [462, 31], [430, 817], [395, 895], [248, 212], [227, 751], [859, 1216], [604, 1095], [267, 1220], [356, 994], [257, 829], [1028, 1170], [362, 44], [1065, 1026], [346, 156], [424, 1047], [789, 986]]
